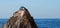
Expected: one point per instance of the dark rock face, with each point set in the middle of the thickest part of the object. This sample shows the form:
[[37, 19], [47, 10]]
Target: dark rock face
[[21, 19]]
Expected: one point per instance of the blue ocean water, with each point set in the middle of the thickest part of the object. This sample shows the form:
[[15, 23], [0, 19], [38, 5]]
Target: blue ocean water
[[41, 23]]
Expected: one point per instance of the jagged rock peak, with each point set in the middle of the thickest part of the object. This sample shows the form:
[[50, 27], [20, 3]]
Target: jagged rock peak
[[21, 19]]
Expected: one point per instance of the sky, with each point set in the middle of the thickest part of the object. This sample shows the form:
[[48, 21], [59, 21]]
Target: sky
[[37, 8]]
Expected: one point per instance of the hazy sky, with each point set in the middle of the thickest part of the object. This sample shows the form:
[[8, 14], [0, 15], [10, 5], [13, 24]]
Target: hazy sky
[[37, 8]]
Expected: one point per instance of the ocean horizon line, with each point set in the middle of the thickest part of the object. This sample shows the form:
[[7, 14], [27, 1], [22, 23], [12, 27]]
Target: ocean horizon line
[[36, 18]]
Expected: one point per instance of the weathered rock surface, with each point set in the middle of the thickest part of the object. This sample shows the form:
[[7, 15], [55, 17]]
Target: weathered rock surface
[[21, 19]]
